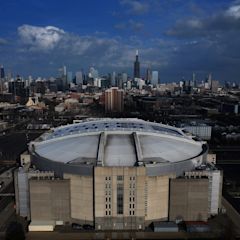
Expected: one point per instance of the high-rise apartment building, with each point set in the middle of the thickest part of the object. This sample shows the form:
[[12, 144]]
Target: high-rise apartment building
[[114, 101]]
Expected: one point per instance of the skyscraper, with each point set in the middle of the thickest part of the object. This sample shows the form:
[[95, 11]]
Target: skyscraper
[[93, 73], [79, 77], [136, 67], [210, 81], [119, 80], [124, 77], [154, 80], [69, 77], [148, 76], [64, 69], [2, 76], [113, 79], [2, 73], [194, 83], [63, 78]]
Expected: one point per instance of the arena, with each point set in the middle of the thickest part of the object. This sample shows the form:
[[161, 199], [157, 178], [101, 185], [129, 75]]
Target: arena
[[117, 174]]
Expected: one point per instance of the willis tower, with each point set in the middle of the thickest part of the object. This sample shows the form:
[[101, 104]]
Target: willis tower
[[2, 76], [136, 67]]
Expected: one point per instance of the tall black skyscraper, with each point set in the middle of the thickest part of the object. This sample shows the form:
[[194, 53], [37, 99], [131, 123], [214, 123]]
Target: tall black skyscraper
[[2, 74], [136, 67]]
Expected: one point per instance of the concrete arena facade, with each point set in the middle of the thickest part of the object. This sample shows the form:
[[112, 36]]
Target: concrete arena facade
[[117, 172]]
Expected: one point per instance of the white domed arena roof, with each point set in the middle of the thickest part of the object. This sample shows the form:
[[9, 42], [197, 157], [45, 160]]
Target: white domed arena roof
[[116, 142]]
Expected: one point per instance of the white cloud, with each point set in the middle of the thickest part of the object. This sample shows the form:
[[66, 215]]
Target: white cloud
[[220, 22], [3, 41], [135, 7], [130, 25], [194, 23], [43, 38], [53, 39], [233, 11], [74, 44]]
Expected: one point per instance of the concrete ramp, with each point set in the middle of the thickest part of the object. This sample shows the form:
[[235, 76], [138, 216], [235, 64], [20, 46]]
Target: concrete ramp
[[120, 150]]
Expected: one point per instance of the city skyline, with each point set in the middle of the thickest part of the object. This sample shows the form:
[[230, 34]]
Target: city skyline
[[175, 38]]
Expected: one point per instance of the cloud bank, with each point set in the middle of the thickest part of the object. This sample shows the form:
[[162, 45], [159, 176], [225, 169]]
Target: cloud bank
[[43, 38]]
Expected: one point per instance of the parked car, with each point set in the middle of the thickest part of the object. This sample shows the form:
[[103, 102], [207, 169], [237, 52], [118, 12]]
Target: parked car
[[77, 226], [87, 227]]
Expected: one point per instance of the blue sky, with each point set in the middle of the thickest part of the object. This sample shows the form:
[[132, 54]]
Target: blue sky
[[175, 37]]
